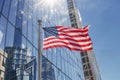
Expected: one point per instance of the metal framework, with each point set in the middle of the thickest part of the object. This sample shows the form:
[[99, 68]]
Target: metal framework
[[90, 68]]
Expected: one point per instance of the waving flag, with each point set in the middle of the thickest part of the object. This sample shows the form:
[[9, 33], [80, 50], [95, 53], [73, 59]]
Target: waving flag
[[71, 38]]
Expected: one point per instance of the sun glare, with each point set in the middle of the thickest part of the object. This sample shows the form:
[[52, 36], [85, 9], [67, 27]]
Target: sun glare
[[50, 3]]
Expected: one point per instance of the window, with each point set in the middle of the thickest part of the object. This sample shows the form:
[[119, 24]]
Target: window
[[35, 42], [6, 7], [17, 38], [29, 46], [24, 26], [10, 35], [30, 29], [1, 4], [85, 60], [20, 13], [86, 66], [17, 61], [69, 7], [17, 56], [83, 54], [13, 10], [24, 42], [90, 73], [86, 73]]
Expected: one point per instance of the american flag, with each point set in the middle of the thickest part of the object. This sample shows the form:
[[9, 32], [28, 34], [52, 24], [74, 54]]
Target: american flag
[[72, 38]]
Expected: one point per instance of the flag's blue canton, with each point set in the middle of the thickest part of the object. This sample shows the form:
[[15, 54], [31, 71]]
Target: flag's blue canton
[[50, 31]]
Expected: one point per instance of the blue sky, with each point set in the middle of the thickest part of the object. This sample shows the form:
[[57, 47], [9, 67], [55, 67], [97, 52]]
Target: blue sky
[[104, 18]]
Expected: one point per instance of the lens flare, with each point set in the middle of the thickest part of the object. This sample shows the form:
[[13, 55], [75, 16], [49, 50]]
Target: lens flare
[[56, 11], [50, 3], [47, 3]]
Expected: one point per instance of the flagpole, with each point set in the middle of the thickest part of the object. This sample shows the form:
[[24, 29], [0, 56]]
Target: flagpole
[[39, 50]]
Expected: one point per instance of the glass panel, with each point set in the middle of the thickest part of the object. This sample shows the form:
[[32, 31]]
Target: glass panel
[[25, 20], [10, 35], [1, 3], [23, 42], [17, 38], [2, 31], [19, 14], [13, 10], [35, 37], [34, 52], [30, 29], [29, 46], [6, 7], [64, 60], [58, 59], [24, 26]]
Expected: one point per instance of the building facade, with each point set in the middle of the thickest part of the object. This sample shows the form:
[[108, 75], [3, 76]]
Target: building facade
[[47, 70], [19, 31], [3, 56], [16, 64]]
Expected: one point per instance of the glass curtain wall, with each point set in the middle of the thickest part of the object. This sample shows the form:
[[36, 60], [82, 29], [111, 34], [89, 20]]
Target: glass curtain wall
[[19, 28], [65, 63]]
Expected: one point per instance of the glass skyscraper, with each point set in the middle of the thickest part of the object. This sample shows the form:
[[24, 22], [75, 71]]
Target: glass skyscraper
[[18, 38]]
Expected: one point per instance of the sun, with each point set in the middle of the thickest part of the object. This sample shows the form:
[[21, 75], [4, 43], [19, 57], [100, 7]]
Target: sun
[[50, 3]]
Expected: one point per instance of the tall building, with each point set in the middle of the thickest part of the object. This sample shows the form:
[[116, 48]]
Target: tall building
[[16, 37], [19, 32], [17, 64], [90, 67], [3, 56]]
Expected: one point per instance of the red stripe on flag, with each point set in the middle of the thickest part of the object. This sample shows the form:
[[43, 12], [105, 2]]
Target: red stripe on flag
[[68, 38], [69, 43], [71, 48], [66, 29]]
